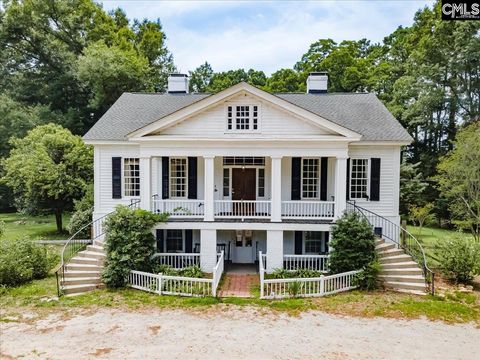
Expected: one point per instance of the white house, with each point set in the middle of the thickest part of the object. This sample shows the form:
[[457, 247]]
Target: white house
[[244, 170]]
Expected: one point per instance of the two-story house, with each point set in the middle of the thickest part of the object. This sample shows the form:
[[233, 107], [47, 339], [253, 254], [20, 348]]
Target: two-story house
[[244, 170]]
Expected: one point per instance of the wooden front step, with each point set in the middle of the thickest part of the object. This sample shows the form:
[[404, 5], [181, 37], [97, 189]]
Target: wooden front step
[[395, 259], [401, 271]]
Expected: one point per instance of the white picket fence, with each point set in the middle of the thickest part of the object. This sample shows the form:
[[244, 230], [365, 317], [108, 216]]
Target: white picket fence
[[311, 262], [304, 287], [178, 285]]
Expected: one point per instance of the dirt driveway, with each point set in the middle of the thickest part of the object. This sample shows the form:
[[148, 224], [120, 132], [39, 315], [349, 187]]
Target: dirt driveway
[[233, 333]]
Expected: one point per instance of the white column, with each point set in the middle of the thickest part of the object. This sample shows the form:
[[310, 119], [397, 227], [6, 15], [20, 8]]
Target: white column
[[209, 187], [276, 189], [274, 250], [340, 186], [208, 249], [145, 183]]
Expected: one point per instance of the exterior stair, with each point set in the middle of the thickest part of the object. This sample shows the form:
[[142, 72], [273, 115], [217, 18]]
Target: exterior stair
[[83, 273], [399, 272]]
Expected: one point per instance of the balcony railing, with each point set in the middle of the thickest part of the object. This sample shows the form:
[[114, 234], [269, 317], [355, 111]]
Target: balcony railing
[[180, 208], [317, 210], [242, 209]]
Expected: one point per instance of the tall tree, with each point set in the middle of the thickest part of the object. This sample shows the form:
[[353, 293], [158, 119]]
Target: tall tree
[[200, 78]]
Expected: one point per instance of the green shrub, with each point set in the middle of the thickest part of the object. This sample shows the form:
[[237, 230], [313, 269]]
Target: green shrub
[[459, 258], [82, 216], [190, 271], [2, 228], [129, 243], [368, 278], [289, 274], [353, 244], [22, 261]]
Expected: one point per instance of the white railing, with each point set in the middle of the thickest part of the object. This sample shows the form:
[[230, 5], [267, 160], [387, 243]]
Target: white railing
[[312, 262], [217, 273], [242, 208], [178, 285], [177, 261], [307, 287], [261, 271], [179, 208], [308, 209]]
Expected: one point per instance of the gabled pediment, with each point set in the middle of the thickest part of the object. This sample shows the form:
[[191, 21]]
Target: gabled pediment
[[275, 117]]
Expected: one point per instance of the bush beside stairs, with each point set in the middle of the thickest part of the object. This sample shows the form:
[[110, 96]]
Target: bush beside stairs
[[399, 272], [83, 273]]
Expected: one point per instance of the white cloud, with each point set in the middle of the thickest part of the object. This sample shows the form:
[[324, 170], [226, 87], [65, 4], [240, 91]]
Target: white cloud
[[265, 36]]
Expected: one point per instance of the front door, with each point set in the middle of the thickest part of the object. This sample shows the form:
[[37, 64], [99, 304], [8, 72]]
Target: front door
[[244, 188], [244, 251]]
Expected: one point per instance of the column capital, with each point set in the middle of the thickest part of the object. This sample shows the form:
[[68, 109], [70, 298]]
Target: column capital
[[209, 156], [341, 157], [278, 157]]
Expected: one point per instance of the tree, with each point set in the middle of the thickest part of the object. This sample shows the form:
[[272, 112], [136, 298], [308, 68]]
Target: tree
[[48, 169], [412, 187], [200, 78], [223, 80], [458, 179], [420, 215], [285, 80], [353, 244]]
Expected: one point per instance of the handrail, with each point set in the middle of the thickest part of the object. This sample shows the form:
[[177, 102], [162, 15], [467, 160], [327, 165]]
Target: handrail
[[390, 231], [73, 245]]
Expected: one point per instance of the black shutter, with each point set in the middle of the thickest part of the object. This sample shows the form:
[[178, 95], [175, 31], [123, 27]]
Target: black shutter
[[160, 241], [298, 243], [348, 179], [192, 177], [188, 241], [327, 240], [323, 178], [296, 177], [375, 179], [116, 177], [165, 176]]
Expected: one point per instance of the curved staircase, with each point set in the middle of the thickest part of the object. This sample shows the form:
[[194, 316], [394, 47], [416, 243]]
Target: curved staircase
[[83, 272], [399, 272]]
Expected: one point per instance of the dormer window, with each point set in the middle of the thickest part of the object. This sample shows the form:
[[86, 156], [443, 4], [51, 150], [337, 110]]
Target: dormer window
[[242, 118]]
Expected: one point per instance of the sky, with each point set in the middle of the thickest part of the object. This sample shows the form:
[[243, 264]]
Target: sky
[[264, 35]]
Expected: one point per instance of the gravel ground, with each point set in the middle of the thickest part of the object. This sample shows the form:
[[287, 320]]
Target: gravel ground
[[233, 333]]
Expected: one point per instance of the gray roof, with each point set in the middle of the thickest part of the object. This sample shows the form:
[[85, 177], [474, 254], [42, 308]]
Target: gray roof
[[362, 113]]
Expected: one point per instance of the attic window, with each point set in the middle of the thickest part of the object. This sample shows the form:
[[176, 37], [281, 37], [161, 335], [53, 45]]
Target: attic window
[[242, 118]]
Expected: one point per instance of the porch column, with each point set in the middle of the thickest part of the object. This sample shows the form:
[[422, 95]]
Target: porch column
[[208, 249], [276, 189], [340, 186], [274, 250], [145, 183], [209, 187]]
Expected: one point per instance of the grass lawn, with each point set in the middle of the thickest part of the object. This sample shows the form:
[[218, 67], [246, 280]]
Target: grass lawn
[[33, 227], [38, 296]]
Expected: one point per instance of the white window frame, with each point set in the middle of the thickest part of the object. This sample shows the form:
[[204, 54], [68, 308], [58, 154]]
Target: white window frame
[[250, 118], [165, 234], [322, 243], [318, 179], [230, 176], [367, 179], [170, 183], [124, 189]]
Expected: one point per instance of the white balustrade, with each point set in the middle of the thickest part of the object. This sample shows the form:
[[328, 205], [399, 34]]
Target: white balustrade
[[308, 210], [242, 208], [179, 208], [311, 262], [177, 261], [217, 273]]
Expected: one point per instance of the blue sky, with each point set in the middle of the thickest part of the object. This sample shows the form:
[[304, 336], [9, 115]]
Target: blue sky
[[264, 35]]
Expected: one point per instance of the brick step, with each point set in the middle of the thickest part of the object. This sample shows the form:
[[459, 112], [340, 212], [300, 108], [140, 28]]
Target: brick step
[[81, 281], [390, 253], [92, 255], [396, 259], [404, 285], [404, 271], [402, 265], [84, 267], [403, 278], [96, 248], [80, 260], [71, 290]]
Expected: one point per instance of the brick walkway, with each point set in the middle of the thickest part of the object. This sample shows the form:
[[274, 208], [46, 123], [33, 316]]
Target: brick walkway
[[238, 285]]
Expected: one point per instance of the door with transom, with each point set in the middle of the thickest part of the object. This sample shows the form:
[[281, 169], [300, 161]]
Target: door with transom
[[244, 191]]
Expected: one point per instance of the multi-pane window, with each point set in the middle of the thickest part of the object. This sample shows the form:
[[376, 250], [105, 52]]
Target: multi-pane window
[[310, 178], [261, 182], [174, 241], [131, 176], [226, 182], [359, 179], [243, 160], [178, 177], [242, 117], [313, 242]]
